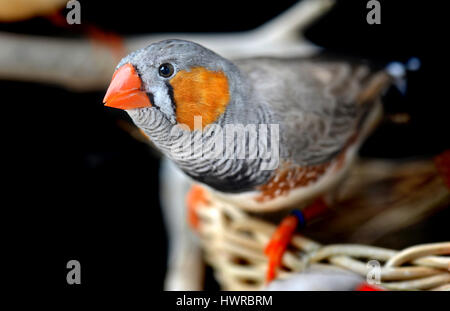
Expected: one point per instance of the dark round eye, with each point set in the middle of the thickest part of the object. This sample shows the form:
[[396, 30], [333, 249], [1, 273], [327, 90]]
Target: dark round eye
[[166, 70]]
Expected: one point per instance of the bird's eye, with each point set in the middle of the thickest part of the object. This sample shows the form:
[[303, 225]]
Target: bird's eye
[[166, 70]]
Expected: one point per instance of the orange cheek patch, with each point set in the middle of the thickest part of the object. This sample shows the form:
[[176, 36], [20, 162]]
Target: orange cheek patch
[[200, 92]]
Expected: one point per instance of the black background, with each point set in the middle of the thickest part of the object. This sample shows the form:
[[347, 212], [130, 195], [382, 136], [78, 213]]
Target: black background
[[80, 187]]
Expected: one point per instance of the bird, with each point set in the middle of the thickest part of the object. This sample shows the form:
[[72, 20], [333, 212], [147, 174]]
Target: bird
[[263, 133]]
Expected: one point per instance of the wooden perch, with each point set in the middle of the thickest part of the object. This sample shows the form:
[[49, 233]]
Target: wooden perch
[[82, 65], [378, 199]]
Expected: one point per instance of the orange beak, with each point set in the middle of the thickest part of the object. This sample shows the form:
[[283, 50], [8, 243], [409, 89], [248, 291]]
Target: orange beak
[[125, 92]]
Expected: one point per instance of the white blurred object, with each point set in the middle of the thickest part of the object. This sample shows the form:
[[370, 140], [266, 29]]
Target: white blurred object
[[185, 265], [318, 278], [281, 36]]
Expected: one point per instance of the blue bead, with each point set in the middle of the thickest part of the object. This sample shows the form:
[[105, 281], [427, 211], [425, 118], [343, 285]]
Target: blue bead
[[301, 219]]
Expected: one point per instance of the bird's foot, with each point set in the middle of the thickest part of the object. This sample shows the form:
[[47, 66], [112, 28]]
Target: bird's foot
[[194, 198], [278, 243], [282, 236]]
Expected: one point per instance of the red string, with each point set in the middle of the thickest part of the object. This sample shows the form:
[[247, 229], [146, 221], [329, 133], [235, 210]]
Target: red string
[[365, 287]]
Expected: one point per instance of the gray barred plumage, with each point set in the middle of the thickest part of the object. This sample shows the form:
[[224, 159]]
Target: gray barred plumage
[[316, 103]]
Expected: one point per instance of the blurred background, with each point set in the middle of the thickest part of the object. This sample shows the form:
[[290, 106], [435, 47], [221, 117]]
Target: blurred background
[[82, 185]]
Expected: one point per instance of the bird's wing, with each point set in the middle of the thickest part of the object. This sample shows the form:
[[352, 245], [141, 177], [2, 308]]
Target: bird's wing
[[318, 104]]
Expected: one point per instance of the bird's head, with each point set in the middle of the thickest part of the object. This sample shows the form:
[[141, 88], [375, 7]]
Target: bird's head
[[179, 79]]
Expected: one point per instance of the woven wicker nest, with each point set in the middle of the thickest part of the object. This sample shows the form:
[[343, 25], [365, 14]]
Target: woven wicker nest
[[376, 199]]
